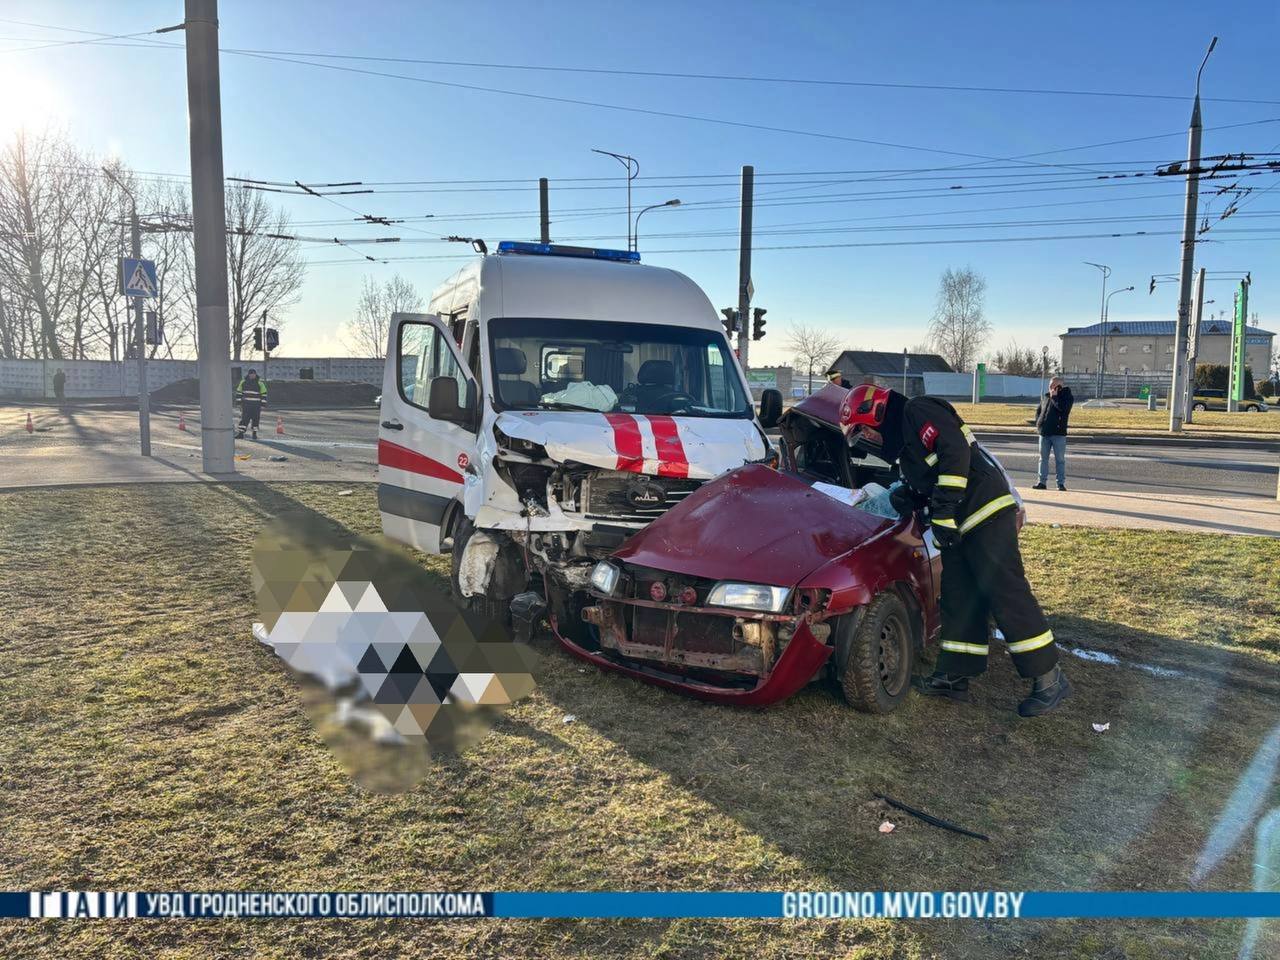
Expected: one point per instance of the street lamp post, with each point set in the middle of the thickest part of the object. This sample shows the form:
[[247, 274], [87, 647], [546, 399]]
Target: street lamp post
[[1106, 312], [144, 399], [1102, 318], [633, 171], [1178, 375], [634, 242]]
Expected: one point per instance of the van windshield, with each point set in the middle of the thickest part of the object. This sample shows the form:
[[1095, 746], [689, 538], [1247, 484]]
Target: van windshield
[[605, 366]]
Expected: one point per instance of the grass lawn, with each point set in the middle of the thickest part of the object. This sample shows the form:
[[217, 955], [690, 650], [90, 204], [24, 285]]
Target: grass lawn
[[151, 743], [1123, 419]]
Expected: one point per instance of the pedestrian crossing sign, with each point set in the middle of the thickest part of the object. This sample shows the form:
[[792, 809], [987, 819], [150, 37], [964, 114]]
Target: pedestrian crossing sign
[[138, 278]]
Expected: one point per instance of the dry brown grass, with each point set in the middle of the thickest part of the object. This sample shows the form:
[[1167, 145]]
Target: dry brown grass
[[151, 743]]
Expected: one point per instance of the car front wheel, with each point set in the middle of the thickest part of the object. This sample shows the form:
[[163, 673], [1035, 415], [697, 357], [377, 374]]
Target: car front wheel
[[1197, 406], [878, 655]]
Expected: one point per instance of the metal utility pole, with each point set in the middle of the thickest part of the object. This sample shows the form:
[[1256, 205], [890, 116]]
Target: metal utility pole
[[209, 229], [139, 331], [1102, 320], [906, 362], [140, 338], [1178, 383], [266, 354], [745, 287], [1193, 349], [544, 209]]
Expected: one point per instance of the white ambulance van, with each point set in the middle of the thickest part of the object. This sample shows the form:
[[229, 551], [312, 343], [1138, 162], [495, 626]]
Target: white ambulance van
[[552, 401]]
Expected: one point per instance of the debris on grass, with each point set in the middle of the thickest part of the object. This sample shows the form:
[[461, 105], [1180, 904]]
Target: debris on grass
[[930, 819], [887, 826], [344, 493], [569, 718], [277, 458], [243, 456], [1102, 727]]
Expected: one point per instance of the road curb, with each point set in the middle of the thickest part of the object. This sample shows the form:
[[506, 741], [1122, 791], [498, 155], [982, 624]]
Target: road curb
[[1141, 440]]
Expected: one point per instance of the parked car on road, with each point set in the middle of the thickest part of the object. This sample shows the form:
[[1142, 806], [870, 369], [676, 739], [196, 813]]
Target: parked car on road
[[1208, 398]]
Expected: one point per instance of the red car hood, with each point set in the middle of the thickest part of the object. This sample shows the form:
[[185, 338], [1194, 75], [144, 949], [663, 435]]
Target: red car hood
[[754, 525]]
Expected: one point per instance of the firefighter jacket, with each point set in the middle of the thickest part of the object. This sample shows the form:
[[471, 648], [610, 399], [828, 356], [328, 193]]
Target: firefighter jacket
[[943, 463], [251, 395]]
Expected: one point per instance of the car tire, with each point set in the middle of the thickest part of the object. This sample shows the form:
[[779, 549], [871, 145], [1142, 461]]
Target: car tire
[[1250, 409], [1198, 406], [879, 657], [499, 610]]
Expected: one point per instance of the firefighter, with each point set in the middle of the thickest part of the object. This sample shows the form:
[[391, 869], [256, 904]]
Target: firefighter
[[967, 498], [252, 394]]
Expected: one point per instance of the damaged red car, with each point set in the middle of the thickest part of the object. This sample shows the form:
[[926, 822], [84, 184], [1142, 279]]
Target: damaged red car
[[765, 580]]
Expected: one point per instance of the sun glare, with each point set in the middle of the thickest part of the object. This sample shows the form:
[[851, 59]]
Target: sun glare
[[28, 100]]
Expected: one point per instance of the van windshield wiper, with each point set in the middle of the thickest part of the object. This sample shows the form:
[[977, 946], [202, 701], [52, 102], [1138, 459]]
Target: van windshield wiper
[[564, 405]]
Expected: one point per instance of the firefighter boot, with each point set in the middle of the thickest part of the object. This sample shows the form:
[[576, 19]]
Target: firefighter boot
[[949, 685], [255, 433], [1047, 691], [239, 433]]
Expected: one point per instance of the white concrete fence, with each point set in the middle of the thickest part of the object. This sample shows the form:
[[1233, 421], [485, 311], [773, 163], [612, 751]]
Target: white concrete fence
[[33, 379]]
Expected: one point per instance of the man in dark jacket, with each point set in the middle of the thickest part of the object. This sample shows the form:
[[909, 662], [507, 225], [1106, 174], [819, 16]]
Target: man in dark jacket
[[1051, 424], [963, 492]]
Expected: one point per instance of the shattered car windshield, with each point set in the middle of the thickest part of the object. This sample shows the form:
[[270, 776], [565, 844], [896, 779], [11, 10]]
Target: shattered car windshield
[[645, 368]]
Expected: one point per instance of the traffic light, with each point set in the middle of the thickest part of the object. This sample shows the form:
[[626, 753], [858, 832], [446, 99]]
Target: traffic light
[[757, 323], [155, 329], [257, 338], [273, 338], [730, 320]]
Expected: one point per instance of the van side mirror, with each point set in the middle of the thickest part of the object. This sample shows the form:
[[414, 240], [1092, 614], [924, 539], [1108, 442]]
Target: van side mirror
[[770, 408], [443, 402]]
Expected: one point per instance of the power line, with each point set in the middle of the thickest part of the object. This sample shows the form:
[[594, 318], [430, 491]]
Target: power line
[[689, 75]]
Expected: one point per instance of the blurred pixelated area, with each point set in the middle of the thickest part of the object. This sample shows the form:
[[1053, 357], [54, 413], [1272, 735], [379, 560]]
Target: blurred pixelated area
[[392, 671]]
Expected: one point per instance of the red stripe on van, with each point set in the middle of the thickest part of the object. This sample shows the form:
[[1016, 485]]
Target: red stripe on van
[[626, 440], [672, 461], [402, 458]]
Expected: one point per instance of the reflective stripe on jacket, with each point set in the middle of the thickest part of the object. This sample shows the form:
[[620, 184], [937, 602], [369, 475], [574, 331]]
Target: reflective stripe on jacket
[[943, 462], [261, 392]]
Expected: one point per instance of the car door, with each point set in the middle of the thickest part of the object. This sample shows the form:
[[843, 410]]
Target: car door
[[421, 458]]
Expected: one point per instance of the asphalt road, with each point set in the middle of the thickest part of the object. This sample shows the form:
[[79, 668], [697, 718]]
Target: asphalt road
[[1175, 468], [350, 435]]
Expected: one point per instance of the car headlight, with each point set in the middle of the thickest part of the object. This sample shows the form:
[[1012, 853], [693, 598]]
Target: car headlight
[[748, 596], [605, 577]]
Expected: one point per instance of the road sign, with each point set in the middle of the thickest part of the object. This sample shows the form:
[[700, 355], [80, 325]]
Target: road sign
[[1144, 391], [138, 278]]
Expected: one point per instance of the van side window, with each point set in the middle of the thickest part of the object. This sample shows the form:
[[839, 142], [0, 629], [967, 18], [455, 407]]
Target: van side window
[[422, 355]]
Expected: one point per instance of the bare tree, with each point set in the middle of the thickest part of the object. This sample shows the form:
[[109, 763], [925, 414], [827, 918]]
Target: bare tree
[[959, 327], [366, 334], [41, 193], [264, 267], [813, 347], [1018, 361]]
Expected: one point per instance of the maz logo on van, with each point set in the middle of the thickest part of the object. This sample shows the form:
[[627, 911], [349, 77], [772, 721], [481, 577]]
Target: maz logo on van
[[642, 493]]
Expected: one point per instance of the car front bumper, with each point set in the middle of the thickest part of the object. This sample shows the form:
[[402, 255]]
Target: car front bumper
[[799, 661]]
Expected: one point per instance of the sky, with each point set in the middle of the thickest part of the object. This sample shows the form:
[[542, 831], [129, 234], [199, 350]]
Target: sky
[[880, 188]]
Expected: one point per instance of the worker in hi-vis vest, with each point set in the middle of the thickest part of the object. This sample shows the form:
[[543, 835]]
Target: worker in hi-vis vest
[[252, 394]]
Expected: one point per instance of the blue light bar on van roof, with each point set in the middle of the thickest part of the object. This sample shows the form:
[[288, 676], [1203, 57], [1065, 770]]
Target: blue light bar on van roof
[[559, 250]]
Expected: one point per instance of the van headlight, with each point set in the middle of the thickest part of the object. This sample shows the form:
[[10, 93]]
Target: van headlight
[[749, 596], [605, 577]]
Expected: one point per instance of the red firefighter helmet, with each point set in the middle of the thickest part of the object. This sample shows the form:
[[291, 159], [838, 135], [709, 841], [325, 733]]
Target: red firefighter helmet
[[864, 408]]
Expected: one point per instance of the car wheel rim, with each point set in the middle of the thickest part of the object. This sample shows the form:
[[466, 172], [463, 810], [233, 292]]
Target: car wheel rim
[[893, 661]]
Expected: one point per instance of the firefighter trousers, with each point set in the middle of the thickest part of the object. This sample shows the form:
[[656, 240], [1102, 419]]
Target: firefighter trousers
[[983, 579], [250, 413]]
